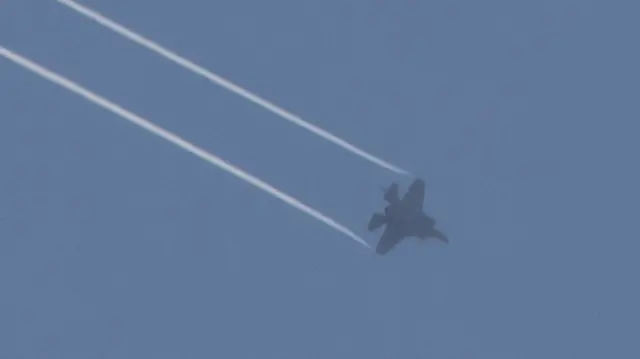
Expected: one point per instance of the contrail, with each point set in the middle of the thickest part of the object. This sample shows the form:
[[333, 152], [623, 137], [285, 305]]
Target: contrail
[[156, 130], [101, 19]]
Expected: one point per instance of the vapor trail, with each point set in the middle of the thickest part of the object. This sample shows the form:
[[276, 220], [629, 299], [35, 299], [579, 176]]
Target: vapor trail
[[101, 19], [156, 130]]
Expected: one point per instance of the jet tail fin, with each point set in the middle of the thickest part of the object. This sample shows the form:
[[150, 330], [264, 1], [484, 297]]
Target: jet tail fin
[[391, 193], [376, 221]]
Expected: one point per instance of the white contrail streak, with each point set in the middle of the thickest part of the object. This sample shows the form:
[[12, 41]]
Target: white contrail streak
[[156, 130], [101, 19]]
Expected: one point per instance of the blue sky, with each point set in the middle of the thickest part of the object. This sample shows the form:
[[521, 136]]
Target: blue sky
[[522, 119]]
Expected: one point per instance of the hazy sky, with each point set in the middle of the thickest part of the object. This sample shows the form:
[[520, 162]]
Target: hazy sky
[[522, 117]]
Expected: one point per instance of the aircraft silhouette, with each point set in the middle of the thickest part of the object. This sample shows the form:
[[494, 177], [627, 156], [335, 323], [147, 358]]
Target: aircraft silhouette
[[404, 218]]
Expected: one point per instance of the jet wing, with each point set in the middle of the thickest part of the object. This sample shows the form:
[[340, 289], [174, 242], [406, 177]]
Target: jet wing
[[421, 227], [437, 234], [414, 197], [389, 239]]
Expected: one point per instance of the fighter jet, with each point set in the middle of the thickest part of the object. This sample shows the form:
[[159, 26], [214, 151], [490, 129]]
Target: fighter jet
[[404, 218]]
